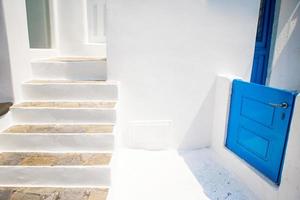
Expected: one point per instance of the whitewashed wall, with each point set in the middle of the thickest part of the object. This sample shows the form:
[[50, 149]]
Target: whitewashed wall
[[166, 53], [285, 70], [17, 40], [71, 30], [6, 91]]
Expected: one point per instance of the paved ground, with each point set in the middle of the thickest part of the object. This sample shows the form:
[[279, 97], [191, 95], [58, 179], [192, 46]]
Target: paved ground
[[170, 175]]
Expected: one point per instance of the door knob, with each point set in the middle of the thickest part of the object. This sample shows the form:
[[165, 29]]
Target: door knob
[[280, 105]]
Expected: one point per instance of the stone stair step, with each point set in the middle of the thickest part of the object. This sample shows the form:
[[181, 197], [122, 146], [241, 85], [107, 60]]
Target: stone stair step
[[73, 59], [53, 159], [65, 105], [49, 142], [64, 112], [66, 90], [38, 193], [70, 68], [58, 137], [55, 169], [73, 82], [61, 128]]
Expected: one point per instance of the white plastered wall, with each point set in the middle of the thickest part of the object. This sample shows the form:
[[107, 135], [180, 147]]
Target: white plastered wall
[[166, 54], [6, 91], [290, 186], [18, 45], [72, 30], [285, 68]]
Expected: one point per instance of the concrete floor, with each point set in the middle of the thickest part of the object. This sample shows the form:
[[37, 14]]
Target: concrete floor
[[172, 175]]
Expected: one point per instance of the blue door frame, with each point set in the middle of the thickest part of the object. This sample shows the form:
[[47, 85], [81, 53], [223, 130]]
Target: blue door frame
[[260, 116], [263, 42]]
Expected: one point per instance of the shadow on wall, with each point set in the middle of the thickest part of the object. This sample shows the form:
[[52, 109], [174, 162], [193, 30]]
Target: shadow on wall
[[285, 67], [201, 128], [6, 89]]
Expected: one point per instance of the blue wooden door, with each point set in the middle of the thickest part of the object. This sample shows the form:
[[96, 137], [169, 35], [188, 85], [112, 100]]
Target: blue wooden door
[[263, 41], [258, 126]]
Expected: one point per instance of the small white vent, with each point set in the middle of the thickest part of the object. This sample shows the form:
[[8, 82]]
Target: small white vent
[[151, 135], [96, 14]]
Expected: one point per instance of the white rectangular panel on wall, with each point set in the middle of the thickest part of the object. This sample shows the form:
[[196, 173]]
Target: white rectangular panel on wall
[[96, 12]]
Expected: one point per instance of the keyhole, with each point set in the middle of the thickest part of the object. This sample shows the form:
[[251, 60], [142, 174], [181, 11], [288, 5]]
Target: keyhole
[[282, 115]]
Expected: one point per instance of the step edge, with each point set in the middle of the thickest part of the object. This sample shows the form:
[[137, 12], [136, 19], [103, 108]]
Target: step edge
[[53, 186], [59, 134], [59, 108], [63, 82], [105, 166], [56, 60]]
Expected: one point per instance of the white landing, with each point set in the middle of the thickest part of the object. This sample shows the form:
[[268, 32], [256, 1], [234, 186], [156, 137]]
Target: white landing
[[172, 175]]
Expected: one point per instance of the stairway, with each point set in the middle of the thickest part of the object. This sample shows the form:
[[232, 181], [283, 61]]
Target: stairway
[[61, 141]]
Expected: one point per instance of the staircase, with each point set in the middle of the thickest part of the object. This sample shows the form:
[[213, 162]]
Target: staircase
[[61, 141]]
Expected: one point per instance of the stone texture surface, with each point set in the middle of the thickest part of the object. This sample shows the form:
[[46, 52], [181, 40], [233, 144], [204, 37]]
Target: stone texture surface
[[53, 193], [54, 159], [103, 104], [60, 128]]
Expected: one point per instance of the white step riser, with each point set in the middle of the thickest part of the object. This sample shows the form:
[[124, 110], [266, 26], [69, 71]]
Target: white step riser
[[87, 70], [63, 116], [57, 176], [44, 142], [70, 92]]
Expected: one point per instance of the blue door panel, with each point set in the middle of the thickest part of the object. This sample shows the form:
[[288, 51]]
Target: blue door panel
[[257, 111], [253, 142], [258, 126]]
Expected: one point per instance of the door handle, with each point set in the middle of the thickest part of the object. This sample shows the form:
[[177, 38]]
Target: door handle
[[280, 105]]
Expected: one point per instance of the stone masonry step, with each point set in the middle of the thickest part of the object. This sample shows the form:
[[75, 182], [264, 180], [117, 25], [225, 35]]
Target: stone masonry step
[[53, 159], [36, 169], [38, 193], [61, 128], [70, 68], [66, 90], [65, 105], [64, 112]]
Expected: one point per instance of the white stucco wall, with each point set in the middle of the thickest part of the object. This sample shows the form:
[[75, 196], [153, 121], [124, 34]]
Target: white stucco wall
[[290, 186], [285, 68], [17, 39], [6, 91], [166, 53], [72, 30]]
